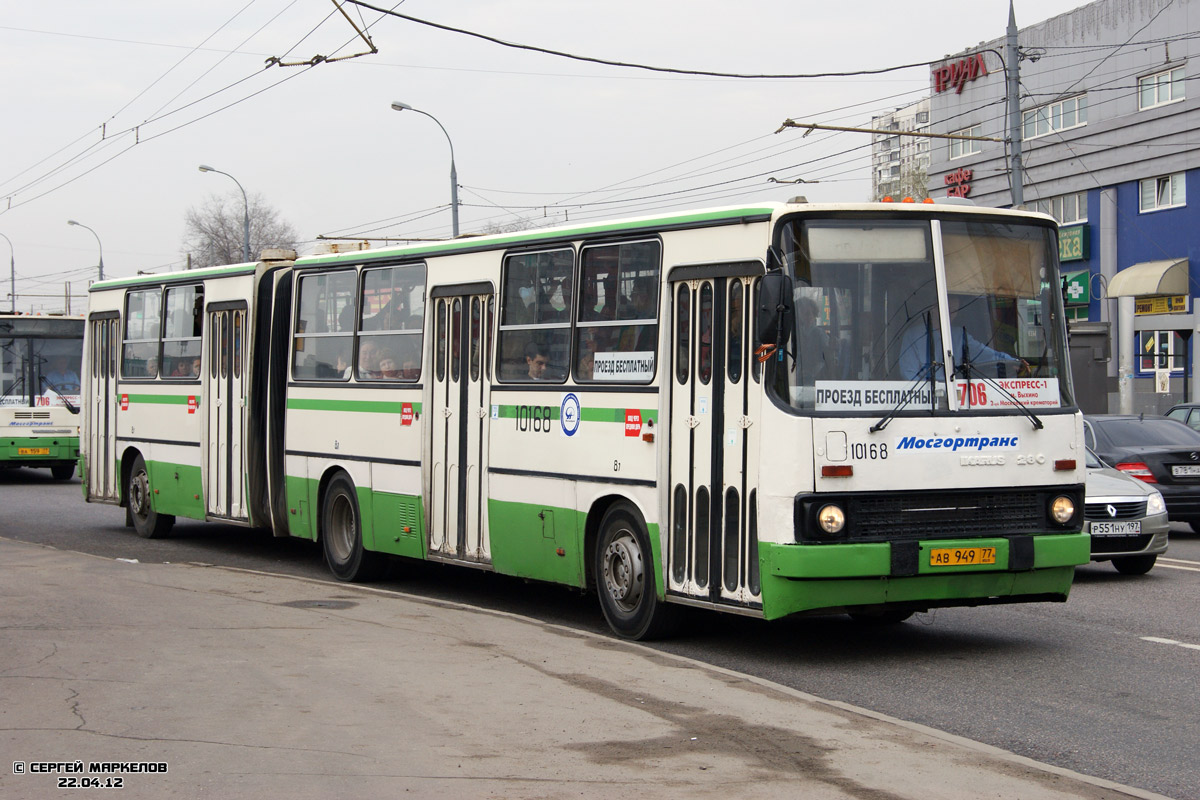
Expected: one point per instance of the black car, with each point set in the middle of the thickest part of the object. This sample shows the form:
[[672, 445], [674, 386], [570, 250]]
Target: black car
[[1187, 413], [1158, 450]]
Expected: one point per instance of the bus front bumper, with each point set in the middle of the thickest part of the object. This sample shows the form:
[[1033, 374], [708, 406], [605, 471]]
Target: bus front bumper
[[37, 451], [836, 577]]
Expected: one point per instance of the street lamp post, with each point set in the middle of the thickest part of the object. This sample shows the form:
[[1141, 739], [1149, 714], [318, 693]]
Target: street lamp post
[[12, 262], [98, 244], [398, 106], [245, 215]]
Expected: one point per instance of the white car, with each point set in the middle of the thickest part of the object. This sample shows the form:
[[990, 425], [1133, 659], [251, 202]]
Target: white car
[[1127, 518]]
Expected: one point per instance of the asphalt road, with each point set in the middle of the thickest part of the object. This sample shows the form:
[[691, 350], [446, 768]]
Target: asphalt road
[[1105, 684]]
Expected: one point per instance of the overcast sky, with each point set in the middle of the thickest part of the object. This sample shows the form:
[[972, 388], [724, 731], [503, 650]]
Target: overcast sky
[[110, 107]]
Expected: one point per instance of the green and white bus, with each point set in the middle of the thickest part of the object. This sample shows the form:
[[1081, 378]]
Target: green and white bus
[[712, 409], [39, 392]]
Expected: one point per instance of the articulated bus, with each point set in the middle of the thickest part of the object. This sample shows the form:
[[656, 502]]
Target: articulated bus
[[743, 409], [39, 392]]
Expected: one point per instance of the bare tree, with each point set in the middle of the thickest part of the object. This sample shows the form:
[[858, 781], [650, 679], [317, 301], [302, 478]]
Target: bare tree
[[213, 233]]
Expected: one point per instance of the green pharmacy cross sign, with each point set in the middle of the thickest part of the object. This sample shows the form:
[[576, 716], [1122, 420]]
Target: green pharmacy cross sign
[[1076, 288]]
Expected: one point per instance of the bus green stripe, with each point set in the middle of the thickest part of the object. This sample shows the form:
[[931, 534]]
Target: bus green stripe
[[361, 406], [586, 414], [162, 399]]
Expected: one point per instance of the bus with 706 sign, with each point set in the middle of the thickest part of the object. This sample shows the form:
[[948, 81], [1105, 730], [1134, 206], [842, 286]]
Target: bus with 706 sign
[[772, 409]]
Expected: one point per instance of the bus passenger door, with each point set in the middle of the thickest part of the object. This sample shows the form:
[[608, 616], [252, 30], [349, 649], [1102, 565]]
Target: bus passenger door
[[458, 423], [712, 540], [224, 399], [100, 405]]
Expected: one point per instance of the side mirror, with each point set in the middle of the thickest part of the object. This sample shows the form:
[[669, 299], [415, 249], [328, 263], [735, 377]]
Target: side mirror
[[776, 312]]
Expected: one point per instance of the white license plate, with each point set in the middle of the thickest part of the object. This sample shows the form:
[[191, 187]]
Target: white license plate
[[1116, 528], [1186, 470]]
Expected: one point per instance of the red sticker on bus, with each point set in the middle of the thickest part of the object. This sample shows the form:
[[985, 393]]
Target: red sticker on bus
[[633, 422], [406, 414], [192, 404], [124, 402]]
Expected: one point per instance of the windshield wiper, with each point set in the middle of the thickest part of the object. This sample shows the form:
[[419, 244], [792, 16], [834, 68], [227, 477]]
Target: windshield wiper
[[70, 407], [968, 368], [927, 371], [20, 380]]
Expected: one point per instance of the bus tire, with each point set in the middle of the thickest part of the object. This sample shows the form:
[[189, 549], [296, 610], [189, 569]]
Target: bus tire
[[624, 572], [341, 534], [148, 523], [63, 472]]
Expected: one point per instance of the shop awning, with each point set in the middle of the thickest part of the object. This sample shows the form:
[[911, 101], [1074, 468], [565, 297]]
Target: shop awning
[[1150, 278]]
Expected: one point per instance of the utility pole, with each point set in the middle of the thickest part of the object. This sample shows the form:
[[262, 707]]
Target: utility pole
[[1012, 71]]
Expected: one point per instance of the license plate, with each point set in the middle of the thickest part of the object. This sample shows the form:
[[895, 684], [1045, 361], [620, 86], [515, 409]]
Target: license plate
[[1186, 470], [961, 556], [33, 451], [1115, 528]]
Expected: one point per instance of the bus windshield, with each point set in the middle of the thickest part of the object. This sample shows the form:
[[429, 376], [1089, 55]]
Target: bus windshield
[[869, 322], [38, 371]]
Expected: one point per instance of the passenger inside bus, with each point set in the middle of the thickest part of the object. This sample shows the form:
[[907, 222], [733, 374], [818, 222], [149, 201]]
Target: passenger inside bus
[[536, 361]]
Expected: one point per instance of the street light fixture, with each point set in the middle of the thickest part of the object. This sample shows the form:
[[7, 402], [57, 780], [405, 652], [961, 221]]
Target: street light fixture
[[13, 264], [98, 244], [245, 215], [398, 106]]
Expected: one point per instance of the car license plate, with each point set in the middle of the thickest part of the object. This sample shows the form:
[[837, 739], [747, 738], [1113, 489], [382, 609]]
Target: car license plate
[[1129, 528], [1186, 470], [961, 556], [33, 451]]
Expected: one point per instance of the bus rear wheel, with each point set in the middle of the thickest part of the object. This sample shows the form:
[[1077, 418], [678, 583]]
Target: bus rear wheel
[[341, 534], [624, 572], [63, 472], [148, 523]]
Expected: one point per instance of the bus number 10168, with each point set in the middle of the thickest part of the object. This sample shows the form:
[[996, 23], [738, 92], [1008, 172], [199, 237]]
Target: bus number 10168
[[533, 418]]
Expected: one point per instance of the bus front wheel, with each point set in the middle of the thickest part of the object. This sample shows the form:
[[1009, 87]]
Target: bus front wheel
[[341, 534], [624, 571], [148, 523]]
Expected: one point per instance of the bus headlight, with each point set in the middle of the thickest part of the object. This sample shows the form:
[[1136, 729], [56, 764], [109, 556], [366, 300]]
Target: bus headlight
[[1062, 509], [831, 518]]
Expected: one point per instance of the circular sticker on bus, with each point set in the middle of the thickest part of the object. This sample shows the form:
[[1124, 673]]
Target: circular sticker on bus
[[568, 414]]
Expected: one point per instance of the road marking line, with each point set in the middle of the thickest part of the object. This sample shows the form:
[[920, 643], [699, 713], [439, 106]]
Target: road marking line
[[1173, 566], [1180, 561], [1157, 640]]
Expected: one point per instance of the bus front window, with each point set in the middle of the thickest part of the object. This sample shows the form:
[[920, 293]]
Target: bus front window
[[868, 335]]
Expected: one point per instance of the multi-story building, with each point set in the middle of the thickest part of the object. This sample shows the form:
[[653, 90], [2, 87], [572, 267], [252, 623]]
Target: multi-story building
[[900, 164], [1110, 140]]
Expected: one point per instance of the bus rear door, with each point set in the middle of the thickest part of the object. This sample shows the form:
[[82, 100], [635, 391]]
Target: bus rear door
[[100, 405], [458, 421], [225, 400], [713, 543]]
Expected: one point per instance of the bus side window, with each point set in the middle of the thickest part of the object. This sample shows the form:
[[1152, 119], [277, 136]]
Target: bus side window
[[535, 322], [143, 320], [392, 325], [618, 314], [326, 351]]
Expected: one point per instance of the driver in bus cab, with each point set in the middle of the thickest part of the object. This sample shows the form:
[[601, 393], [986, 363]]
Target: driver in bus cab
[[61, 376], [914, 348]]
